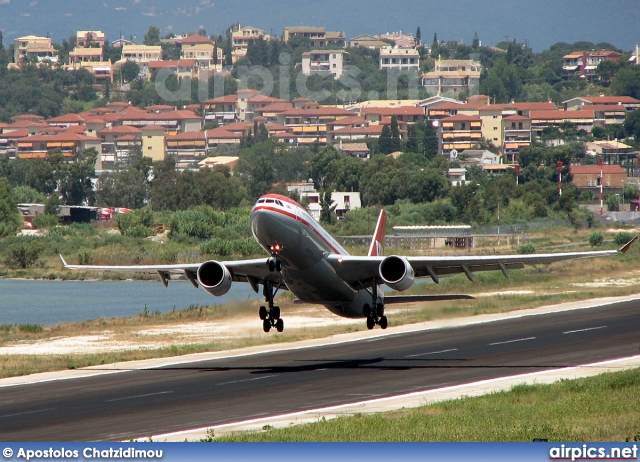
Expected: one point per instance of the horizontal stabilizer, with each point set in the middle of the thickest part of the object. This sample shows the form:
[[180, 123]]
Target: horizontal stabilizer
[[425, 298]]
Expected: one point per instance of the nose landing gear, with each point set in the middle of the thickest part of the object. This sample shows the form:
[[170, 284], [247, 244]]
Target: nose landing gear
[[270, 314]]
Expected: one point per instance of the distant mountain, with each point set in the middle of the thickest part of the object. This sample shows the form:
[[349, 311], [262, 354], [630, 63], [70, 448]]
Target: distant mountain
[[541, 23]]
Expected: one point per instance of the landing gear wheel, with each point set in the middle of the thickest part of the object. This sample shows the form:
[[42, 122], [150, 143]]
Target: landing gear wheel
[[275, 312], [366, 310], [370, 323], [272, 266], [379, 310], [270, 314], [383, 322], [278, 266]]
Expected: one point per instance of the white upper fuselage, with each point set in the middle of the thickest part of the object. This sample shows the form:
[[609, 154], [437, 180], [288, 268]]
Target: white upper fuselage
[[286, 230]]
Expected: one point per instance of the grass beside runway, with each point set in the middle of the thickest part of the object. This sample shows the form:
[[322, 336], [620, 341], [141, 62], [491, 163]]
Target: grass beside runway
[[599, 408]]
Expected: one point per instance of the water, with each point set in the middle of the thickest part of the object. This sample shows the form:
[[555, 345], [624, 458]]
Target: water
[[52, 302]]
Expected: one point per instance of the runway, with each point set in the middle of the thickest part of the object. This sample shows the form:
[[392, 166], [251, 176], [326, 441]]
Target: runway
[[136, 403]]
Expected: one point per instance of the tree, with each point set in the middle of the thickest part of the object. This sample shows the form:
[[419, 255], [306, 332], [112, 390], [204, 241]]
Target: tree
[[607, 69], [76, 187], [412, 139], [627, 82], [429, 141], [152, 37], [385, 141], [632, 124], [418, 35], [10, 217], [396, 143], [129, 71], [327, 207]]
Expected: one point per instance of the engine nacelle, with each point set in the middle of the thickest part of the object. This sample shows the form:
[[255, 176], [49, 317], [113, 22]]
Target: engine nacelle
[[397, 273], [214, 277]]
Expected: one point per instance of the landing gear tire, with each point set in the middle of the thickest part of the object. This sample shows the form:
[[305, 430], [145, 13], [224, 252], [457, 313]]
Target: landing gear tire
[[383, 322], [270, 314], [275, 312], [274, 264], [370, 323], [379, 310], [366, 310]]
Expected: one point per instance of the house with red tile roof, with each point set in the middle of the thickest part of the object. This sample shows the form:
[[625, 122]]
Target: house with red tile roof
[[588, 176], [583, 102], [187, 148]]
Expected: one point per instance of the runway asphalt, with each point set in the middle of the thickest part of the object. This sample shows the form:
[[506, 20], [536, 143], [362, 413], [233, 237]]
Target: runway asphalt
[[126, 400]]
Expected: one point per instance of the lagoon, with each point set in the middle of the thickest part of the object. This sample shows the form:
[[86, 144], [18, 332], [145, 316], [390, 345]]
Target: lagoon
[[51, 302]]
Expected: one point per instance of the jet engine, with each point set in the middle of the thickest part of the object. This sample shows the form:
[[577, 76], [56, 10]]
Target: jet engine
[[396, 272], [214, 277]]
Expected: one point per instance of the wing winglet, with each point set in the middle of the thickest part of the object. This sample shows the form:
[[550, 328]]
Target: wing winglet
[[626, 247], [64, 263]]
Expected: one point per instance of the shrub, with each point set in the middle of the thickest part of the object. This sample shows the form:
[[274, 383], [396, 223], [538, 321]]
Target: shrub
[[138, 231], [524, 249], [596, 238], [24, 253], [30, 328], [85, 258], [622, 237], [45, 221]]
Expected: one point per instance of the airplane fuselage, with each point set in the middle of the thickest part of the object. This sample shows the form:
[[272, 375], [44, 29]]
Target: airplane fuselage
[[286, 230]]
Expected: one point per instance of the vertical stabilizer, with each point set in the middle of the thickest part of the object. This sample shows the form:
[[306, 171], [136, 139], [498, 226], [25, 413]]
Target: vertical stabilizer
[[377, 243]]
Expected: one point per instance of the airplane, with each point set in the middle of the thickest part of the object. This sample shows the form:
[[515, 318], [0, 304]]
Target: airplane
[[307, 261]]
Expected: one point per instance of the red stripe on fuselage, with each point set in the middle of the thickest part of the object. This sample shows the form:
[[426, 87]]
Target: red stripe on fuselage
[[298, 219]]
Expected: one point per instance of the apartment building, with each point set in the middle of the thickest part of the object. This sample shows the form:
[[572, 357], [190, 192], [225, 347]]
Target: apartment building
[[90, 38], [203, 50], [186, 148], [318, 37], [453, 78], [141, 54], [585, 102], [181, 68], [582, 119], [242, 37], [34, 48], [403, 59], [516, 132], [367, 41], [584, 64], [460, 132], [324, 62], [310, 125], [91, 59]]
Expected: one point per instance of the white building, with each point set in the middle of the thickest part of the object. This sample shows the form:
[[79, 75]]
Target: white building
[[324, 62], [405, 59]]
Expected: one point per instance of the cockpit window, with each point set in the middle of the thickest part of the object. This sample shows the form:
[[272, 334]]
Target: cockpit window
[[279, 203], [261, 201], [270, 201]]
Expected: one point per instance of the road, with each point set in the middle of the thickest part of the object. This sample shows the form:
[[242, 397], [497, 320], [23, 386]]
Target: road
[[135, 403]]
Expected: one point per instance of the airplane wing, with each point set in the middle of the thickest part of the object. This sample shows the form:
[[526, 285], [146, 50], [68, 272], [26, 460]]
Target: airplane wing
[[360, 270], [253, 271]]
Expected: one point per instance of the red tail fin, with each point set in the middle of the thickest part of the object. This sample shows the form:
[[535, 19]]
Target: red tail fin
[[377, 243]]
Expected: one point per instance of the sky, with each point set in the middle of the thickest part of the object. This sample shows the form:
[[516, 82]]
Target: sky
[[540, 23]]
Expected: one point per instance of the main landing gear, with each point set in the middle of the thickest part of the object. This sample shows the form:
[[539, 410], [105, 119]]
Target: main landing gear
[[270, 314], [375, 311]]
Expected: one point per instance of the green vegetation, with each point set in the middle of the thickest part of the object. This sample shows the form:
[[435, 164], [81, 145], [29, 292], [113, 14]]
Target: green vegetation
[[600, 408]]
